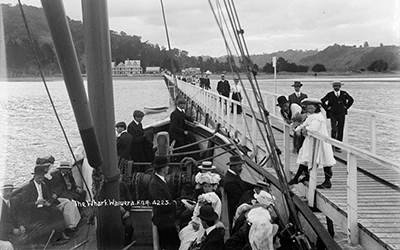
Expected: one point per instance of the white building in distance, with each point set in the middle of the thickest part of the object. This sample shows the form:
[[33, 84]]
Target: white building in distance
[[127, 68]]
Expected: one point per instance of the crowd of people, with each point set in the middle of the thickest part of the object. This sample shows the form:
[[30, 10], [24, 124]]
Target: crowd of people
[[45, 209], [304, 115]]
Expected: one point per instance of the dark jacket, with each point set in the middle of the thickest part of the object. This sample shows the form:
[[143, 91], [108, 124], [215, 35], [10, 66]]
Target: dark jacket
[[214, 240], [9, 220], [124, 142], [337, 105], [294, 99], [59, 186], [223, 88], [235, 187], [178, 126], [138, 140], [239, 240], [161, 199]]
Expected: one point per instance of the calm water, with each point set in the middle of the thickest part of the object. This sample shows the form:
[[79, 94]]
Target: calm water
[[30, 129]]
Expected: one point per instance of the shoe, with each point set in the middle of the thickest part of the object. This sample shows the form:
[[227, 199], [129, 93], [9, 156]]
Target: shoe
[[72, 229], [304, 179], [338, 150], [64, 236], [324, 185], [60, 242], [292, 182]]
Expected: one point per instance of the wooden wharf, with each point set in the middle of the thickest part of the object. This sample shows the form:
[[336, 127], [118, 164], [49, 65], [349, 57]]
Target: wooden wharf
[[364, 200]]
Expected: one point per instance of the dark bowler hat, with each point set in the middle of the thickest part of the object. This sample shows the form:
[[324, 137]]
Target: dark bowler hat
[[160, 161], [297, 84], [207, 213], [181, 101], [282, 100], [45, 161], [39, 170], [138, 113], [120, 125], [207, 165], [235, 160]]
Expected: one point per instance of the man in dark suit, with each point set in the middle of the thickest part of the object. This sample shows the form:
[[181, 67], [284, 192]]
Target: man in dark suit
[[214, 236], [63, 184], [11, 223], [124, 141], [163, 205], [235, 187], [223, 88], [336, 104], [42, 215], [135, 129], [179, 130], [297, 96]]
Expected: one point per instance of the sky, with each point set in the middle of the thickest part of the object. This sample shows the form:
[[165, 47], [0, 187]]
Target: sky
[[269, 26]]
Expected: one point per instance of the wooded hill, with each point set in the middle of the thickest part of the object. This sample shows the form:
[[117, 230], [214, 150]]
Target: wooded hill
[[20, 59]]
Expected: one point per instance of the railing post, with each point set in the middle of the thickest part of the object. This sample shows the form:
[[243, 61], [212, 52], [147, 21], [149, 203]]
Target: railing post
[[286, 141], [244, 131], [228, 112], [254, 129], [235, 116], [373, 134], [273, 107], [346, 130], [352, 199], [312, 184]]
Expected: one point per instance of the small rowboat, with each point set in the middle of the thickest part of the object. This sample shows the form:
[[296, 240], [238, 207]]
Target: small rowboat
[[151, 110]]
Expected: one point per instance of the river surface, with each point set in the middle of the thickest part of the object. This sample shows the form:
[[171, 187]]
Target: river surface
[[30, 129]]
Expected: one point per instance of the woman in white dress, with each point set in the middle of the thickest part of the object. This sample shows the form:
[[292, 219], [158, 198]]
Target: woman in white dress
[[315, 122]]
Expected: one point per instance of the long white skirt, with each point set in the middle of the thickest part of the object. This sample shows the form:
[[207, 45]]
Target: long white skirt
[[70, 212]]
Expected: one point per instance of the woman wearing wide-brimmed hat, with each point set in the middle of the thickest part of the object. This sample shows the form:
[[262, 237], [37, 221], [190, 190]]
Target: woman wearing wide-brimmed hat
[[315, 122]]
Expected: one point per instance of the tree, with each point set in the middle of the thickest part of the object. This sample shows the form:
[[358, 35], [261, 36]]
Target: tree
[[378, 65], [268, 68], [318, 68], [366, 45]]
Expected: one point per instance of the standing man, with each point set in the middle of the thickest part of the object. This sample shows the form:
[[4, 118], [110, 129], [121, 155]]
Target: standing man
[[163, 205], [336, 104], [178, 129], [124, 141], [237, 94], [235, 187], [297, 96], [135, 129], [223, 87]]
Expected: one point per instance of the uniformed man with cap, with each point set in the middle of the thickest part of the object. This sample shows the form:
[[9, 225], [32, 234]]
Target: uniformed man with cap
[[135, 129], [124, 141]]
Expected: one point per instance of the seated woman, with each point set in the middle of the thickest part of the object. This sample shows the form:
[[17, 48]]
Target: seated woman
[[257, 233], [194, 230]]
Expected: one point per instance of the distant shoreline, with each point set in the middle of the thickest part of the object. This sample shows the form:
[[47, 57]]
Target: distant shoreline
[[260, 76]]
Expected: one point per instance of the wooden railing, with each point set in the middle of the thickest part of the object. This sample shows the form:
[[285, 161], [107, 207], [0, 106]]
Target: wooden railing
[[214, 104]]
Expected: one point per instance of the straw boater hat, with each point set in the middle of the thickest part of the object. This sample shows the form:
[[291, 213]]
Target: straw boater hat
[[160, 161], [337, 83], [282, 100], [264, 198], [207, 165], [64, 165], [311, 101], [7, 185], [297, 84], [235, 160], [262, 185]]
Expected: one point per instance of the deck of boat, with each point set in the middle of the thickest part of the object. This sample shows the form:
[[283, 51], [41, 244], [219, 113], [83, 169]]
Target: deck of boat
[[378, 193]]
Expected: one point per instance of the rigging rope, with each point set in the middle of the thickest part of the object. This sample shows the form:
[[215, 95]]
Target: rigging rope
[[234, 20], [48, 92]]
